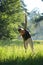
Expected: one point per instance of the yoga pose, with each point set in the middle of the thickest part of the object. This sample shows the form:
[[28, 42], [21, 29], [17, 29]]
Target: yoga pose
[[26, 37]]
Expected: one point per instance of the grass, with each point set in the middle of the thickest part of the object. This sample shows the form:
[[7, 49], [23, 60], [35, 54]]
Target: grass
[[14, 54]]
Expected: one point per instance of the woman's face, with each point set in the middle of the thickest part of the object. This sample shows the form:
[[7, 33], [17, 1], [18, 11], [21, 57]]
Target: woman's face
[[22, 32]]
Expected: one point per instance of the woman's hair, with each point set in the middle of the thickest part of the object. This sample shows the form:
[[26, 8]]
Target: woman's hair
[[19, 29]]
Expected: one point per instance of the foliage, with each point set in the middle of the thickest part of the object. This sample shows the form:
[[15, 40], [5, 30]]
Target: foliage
[[35, 20], [10, 16]]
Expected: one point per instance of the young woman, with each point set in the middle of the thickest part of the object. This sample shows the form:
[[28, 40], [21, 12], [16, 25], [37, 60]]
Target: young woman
[[26, 37]]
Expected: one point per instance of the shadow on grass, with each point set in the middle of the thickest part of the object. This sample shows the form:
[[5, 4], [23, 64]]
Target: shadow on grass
[[23, 61]]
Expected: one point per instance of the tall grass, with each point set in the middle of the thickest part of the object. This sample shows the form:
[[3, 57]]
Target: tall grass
[[15, 55]]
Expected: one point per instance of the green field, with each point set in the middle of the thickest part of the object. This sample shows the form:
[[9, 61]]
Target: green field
[[13, 53]]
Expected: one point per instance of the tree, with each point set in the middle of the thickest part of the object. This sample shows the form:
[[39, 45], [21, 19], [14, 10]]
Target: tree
[[10, 16], [34, 22], [42, 0]]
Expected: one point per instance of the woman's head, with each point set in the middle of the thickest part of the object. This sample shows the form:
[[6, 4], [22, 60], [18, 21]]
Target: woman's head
[[21, 31]]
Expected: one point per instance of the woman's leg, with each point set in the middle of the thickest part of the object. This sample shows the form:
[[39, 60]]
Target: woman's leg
[[31, 43], [25, 45]]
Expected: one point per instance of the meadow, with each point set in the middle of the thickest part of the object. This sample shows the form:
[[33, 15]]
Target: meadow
[[13, 53]]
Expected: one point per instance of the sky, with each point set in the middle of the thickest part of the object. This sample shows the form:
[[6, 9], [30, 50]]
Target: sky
[[31, 4]]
